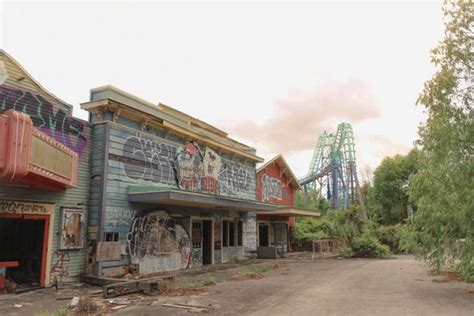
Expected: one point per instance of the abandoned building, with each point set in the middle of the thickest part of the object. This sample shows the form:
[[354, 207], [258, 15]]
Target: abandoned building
[[168, 191], [140, 187], [276, 184], [44, 183]]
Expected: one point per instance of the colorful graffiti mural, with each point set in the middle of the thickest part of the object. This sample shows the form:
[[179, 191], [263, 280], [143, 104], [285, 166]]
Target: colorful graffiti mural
[[189, 167], [48, 118], [271, 188], [157, 241]]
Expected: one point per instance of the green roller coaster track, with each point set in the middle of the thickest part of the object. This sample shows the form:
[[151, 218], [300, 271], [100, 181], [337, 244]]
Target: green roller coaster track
[[333, 170]]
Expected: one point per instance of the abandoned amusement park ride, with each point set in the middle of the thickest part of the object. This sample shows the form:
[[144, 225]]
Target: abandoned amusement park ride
[[332, 171]]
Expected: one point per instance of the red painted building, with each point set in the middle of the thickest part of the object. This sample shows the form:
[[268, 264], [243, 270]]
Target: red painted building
[[277, 184]]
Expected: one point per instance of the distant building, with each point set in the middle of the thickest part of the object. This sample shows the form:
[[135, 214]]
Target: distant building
[[276, 184]]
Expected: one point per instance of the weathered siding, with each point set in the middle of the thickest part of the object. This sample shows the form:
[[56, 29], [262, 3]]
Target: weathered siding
[[123, 157]]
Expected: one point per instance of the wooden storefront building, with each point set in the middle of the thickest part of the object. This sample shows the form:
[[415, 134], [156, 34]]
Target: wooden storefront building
[[44, 183], [168, 191]]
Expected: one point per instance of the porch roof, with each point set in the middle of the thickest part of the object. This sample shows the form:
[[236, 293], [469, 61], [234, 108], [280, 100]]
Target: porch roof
[[172, 196], [290, 211]]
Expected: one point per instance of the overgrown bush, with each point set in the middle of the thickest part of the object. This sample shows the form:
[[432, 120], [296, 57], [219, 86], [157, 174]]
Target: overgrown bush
[[369, 247], [387, 236], [360, 233]]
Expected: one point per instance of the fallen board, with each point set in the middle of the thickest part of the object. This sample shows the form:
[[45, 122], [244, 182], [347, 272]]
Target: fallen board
[[141, 285]]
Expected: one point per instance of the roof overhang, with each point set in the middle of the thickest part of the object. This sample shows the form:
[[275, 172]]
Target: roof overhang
[[170, 196], [122, 103], [290, 211]]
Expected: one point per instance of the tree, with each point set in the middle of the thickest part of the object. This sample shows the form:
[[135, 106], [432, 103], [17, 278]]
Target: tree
[[443, 188], [312, 200], [387, 200]]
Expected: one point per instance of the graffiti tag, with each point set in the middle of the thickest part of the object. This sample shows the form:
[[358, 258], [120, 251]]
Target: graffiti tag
[[271, 188], [50, 119], [60, 267]]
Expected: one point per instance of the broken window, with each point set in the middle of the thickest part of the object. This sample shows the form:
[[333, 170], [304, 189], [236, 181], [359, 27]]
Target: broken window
[[111, 236]]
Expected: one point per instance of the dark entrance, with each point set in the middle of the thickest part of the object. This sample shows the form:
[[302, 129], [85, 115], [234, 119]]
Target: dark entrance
[[263, 235], [22, 240], [206, 242]]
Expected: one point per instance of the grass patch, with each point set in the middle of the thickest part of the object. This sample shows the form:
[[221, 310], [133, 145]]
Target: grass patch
[[57, 312]]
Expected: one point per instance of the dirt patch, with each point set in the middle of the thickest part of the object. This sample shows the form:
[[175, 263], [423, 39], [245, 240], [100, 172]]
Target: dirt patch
[[187, 291], [250, 276], [448, 277]]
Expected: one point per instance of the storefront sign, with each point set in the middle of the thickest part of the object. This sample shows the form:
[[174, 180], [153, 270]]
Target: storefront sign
[[23, 207]]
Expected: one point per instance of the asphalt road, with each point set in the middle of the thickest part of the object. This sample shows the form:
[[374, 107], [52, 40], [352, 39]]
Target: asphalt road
[[398, 286]]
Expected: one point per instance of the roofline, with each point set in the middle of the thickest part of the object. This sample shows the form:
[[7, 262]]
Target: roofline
[[70, 106], [280, 156], [172, 121]]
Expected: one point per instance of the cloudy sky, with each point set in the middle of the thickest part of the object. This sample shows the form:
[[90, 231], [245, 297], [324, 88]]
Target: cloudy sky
[[272, 75]]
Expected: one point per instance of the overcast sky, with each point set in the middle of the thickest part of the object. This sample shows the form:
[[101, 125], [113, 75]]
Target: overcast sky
[[272, 75]]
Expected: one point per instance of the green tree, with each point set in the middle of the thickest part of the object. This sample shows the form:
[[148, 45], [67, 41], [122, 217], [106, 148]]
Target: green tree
[[443, 189], [387, 200], [312, 201]]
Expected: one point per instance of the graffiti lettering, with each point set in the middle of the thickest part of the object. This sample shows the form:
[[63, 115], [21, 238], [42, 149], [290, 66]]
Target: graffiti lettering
[[234, 178], [149, 160], [23, 207], [52, 120], [117, 216], [156, 234], [60, 267], [271, 188]]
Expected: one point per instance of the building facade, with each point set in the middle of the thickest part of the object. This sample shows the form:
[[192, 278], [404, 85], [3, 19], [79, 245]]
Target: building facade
[[44, 182], [276, 184], [168, 191]]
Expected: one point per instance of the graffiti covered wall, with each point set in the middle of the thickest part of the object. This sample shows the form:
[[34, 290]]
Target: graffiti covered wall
[[144, 160], [49, 118], [273, 186], [156, 242]]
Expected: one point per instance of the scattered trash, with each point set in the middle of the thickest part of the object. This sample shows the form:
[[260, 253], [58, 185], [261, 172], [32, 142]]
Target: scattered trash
[[18, 305], [74, 301]]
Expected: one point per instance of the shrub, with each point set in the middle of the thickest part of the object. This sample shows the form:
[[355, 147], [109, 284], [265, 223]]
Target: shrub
[[387, 236], [369, 247]]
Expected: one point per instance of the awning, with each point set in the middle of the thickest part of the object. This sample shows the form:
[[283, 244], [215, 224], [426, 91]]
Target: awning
[[290, 211], [171, 196]]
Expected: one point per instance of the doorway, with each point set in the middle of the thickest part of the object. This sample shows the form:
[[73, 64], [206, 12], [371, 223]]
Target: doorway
[[263, 235], [23, 239], [206, 242]]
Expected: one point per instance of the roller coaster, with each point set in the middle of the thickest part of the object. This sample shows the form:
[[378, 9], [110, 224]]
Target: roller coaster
[[333, 172]]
